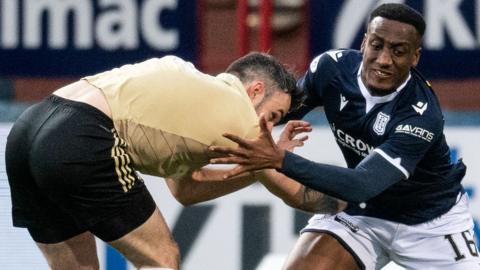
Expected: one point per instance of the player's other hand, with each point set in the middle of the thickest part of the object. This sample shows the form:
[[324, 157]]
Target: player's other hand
[[288, 140], [253, 155]]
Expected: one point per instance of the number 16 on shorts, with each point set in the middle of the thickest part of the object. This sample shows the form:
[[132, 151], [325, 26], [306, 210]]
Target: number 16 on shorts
[[463, 245]]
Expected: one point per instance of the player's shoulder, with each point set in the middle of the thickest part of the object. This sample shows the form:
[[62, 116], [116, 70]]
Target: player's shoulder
[[419, 106], [338, 59], [170, 61], [423, 98]]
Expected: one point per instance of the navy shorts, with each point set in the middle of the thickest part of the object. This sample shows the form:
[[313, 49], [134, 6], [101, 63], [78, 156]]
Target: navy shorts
[[70, 173]]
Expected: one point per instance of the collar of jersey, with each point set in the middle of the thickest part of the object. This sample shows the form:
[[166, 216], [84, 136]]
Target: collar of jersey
[[233, 81], [236, 84], [370, 100]]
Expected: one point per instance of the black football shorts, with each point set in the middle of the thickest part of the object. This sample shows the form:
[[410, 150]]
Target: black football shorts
[[69, 173]]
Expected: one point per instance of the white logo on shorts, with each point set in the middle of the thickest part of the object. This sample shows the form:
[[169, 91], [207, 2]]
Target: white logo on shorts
[[346, 223]]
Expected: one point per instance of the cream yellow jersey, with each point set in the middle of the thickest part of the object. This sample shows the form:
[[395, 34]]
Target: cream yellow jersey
[[168, 113]]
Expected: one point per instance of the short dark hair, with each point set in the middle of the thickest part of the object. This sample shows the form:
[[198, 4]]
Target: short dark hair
[[401, 13], [256, 64]]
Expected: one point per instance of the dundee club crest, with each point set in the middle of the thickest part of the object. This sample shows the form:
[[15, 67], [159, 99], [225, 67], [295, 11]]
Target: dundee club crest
[[381, 123]]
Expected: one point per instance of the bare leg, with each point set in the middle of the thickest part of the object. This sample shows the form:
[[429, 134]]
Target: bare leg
[[78, 252], [316, 251], [150, 245]]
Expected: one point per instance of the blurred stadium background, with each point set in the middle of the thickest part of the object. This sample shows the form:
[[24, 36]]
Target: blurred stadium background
[[45, 44]]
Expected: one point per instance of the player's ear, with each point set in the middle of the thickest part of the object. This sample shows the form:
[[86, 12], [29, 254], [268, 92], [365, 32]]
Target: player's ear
[[255, 89], [416, 56], [364, 40]]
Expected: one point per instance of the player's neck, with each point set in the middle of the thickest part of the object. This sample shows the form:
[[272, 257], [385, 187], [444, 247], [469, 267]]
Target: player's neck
[[380, 93]]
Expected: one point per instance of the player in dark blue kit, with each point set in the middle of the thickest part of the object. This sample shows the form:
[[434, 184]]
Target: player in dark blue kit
[[405, 200]]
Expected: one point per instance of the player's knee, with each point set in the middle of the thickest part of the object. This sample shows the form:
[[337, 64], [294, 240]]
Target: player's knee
[[292, 264], [167, 255], [172, 250]]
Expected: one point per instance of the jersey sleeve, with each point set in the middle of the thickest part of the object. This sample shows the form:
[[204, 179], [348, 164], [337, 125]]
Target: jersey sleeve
[[368, 179], [409, 140]]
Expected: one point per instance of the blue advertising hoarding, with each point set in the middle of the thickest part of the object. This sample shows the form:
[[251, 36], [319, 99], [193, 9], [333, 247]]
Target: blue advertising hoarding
[[451, 44], [80, 37]]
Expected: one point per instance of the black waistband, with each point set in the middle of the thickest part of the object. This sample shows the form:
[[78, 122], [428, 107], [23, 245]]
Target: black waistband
[[84, 107]]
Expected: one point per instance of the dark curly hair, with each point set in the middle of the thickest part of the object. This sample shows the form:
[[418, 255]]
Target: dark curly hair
[[401, 13], [257, 65]]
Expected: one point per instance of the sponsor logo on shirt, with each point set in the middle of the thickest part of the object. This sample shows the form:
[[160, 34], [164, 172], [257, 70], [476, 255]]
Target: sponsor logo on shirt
[[415, 131], [358, 146], [380, 123]]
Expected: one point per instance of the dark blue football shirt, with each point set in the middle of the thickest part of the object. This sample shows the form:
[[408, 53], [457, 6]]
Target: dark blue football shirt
[[405, 128]]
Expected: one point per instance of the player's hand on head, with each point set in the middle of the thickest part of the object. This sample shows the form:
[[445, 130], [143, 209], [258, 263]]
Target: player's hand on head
[[288, 140], [250, 155]]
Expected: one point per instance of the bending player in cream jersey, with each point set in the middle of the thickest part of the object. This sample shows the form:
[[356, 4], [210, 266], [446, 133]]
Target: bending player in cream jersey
[[71, 159], [168, 128]]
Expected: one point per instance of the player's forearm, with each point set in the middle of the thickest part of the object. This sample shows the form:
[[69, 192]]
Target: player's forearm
[[281, 186], [299, 196], [190, 190], [372, 176]]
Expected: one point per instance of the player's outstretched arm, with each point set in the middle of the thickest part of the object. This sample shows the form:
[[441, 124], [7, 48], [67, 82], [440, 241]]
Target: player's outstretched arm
[[263, 152], [206, 184], [299, 196], [369, 178]]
